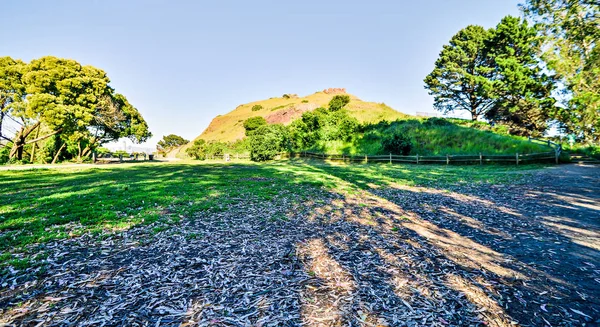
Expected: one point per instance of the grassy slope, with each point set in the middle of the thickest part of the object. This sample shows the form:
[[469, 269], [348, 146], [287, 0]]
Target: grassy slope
[[38, 206], [437, 140]]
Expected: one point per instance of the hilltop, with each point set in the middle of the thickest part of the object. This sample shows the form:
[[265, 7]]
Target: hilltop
[[285, 109]]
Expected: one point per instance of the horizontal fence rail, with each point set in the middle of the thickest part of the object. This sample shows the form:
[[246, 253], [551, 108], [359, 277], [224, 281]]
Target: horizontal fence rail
[[516, 158]]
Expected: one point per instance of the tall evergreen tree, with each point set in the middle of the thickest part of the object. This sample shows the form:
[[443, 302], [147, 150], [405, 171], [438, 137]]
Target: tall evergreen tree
[[521, 91], [461, 79]]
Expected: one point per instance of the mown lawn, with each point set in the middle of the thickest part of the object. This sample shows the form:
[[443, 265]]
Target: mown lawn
[[41, 205]]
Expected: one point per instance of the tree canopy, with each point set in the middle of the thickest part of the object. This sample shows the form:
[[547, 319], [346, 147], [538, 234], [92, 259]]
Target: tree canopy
[[521, 92], [338, 102], [461, 79], [572, 33], [72, 103], [495, 74], [253, 123], [170, 142]]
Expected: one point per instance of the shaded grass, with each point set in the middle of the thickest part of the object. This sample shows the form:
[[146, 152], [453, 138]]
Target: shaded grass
[[38, 206]]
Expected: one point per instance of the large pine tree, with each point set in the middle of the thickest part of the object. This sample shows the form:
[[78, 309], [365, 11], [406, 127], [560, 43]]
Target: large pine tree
[[521, 92], [461, 79]]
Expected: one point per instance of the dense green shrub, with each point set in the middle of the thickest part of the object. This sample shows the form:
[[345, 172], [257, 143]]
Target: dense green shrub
[[4, 152], [202, 150], [253, 123], [257, 107], [269, 141], [396, 143], [338, 102]]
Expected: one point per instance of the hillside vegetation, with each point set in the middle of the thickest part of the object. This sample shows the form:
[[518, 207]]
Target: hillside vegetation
[[283, 110], [433, 136], [346, 125]]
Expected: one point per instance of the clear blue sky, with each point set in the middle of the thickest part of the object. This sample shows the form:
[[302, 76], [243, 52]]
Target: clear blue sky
[[183, 62]]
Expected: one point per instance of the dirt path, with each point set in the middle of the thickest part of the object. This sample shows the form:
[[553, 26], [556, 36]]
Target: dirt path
[[523, 254]]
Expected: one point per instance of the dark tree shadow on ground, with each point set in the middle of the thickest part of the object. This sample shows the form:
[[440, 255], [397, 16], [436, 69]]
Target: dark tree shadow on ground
[[554, 270]]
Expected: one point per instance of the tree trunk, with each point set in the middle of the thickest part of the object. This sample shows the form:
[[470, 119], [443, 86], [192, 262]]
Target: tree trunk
[[20, 141], [474, 115], [37, 134], [58, 152], [79, 152]]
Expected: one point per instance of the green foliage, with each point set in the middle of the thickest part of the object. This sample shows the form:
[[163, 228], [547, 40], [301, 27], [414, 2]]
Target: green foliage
[[4, 151], [169, 142], [495, 73], [253, 123], [202, 150], [501, 129], [338, 102], [435, 121], [522, 92], [323, 124], [572, 30], [396, 143], [268, 141], [304, 101], [462, 73], [119, 153], [257, 107], [102, 150], [67, 99]]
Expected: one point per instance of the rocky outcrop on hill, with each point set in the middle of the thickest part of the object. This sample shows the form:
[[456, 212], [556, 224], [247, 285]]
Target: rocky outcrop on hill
[[287, 115], [335, 90]]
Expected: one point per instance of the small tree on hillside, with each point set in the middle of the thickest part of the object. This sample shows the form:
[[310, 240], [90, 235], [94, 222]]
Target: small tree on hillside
[[338, 102], [253, 123], [170, 142]]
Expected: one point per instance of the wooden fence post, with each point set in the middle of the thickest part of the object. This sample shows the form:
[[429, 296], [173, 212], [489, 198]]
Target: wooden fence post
[[556, 155], [480, 159], [417, 158], [517, 156], [390, 157], [447, 160], [366, 158]]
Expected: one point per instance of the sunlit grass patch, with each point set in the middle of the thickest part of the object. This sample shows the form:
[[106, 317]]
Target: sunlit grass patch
[[38, 206]]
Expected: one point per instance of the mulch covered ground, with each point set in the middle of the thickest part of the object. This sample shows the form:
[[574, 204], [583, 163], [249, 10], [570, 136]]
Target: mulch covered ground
[[485, 255]]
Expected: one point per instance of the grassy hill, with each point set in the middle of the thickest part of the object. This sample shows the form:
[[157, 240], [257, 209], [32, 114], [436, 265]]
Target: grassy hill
[[428, 136], [229, 127], [434, 137]]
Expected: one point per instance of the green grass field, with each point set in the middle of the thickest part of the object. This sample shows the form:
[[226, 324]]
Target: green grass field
[[42, 205]]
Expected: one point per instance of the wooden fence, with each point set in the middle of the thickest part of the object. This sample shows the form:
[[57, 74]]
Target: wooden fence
[[517, 158]]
